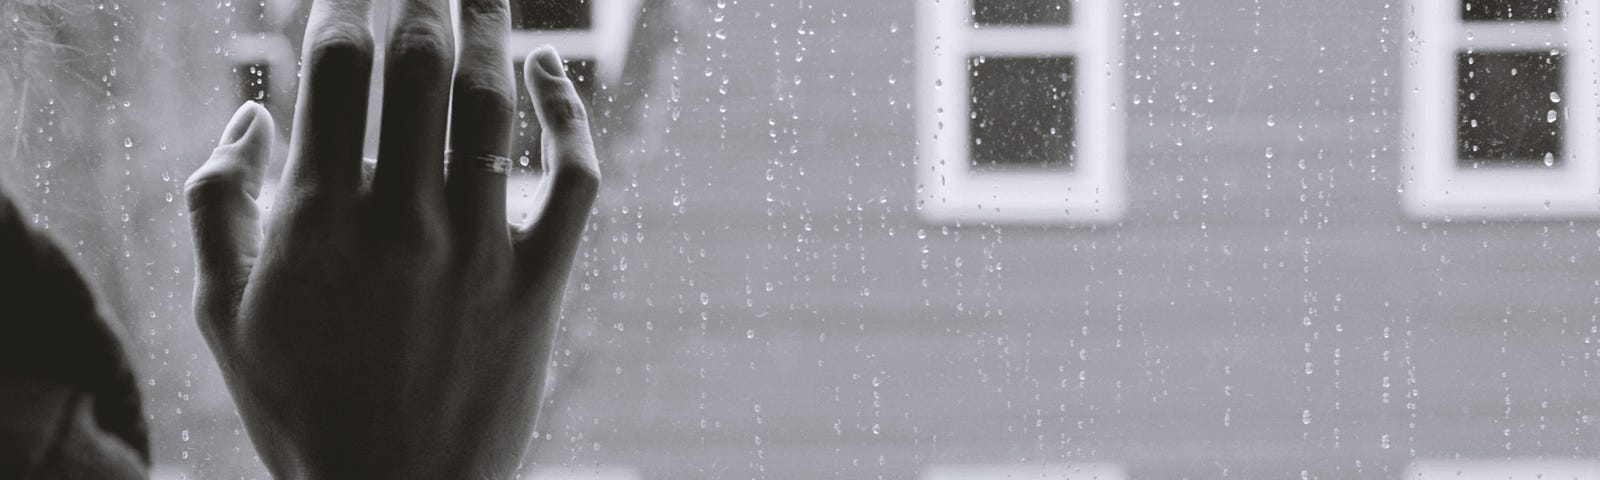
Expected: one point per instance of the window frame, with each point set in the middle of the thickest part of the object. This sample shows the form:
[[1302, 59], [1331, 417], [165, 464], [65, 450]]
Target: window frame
[[605, 42], [1436, 183], [949, 190]]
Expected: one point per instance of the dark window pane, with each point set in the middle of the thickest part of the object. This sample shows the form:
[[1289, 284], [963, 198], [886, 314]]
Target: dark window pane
[[1022, 12], [1501, 10], [1022, 112], [550, 14], [250, 82], [1509, 110], [526, 141]]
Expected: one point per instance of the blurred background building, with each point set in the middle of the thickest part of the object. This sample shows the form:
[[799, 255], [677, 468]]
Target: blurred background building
[[955, 239]]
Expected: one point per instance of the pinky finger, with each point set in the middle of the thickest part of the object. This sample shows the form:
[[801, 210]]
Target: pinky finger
[[572, 180]]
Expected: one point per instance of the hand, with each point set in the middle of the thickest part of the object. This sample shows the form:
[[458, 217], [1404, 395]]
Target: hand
[[397, 328]]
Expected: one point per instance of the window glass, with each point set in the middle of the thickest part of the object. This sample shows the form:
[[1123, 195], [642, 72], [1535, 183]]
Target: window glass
[[550, 14], [252, 82], [1504, 10], [947, 239], [1022, 112], [1022, 12], [1509, 108]]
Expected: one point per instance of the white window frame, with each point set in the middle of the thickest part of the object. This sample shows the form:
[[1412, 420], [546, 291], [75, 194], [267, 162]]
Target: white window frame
[[1436, 186], [1058, 471], [1508, 469], [605, 42], [949, 191]]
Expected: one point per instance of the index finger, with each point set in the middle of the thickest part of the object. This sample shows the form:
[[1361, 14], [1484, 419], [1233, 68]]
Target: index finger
[[330, 115]]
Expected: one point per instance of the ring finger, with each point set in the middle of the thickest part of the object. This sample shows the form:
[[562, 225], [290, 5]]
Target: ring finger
[[480, 121]]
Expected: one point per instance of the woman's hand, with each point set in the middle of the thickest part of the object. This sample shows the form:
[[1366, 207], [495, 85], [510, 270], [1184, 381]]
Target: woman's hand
[[397, 328]]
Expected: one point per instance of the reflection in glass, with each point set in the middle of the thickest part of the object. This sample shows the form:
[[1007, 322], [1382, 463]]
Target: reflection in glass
[[1509, 110], [1022, 112]]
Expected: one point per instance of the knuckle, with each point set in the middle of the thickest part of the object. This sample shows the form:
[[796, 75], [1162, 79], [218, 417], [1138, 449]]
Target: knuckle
[[485, 95], [208, 184], [422, 47], [339, 44], [486, 12], [580, 179], [416, 233], [213, 316], [426, 249], [432, 250], [564, 109]]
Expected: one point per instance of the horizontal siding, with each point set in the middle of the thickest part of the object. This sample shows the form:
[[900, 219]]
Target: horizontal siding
[[1194, 305]]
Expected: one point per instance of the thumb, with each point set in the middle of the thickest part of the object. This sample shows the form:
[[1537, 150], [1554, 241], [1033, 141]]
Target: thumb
[[223, 213]]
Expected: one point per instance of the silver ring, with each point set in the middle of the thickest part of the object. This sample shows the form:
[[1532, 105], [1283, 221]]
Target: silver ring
[[483, 162]]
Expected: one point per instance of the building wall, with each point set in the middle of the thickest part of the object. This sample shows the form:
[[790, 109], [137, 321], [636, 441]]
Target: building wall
[[761, 299]]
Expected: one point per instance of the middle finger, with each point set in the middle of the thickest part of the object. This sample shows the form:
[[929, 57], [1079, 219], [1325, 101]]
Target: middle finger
[[480, 122], [416, 97]]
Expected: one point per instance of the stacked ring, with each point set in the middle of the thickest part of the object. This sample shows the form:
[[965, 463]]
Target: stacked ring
[[483, 162]]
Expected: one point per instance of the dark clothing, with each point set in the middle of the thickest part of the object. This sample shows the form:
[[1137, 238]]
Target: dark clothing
[[69, 403]]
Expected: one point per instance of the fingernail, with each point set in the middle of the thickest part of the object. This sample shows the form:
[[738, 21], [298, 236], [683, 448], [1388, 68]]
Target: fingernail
[[240, 124], [550, 61]]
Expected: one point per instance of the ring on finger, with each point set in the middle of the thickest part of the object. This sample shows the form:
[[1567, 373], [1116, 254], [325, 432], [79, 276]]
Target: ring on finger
[[483, 162]]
